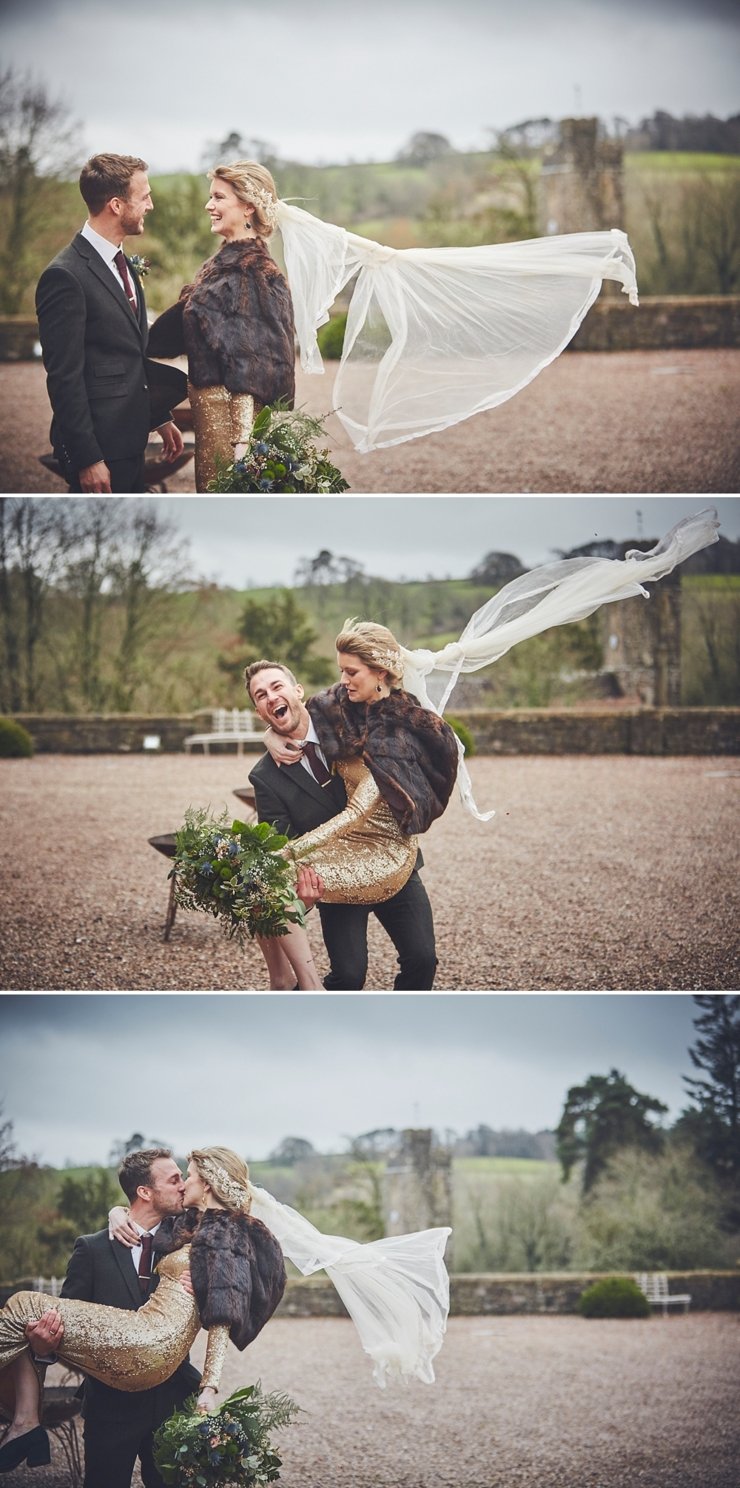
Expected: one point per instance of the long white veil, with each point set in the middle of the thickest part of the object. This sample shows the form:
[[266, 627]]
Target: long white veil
[[555, 594], [396, 1290], [435, 335]]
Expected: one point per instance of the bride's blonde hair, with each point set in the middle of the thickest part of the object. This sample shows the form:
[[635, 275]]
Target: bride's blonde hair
[[254, 186], [226, 1174], [373, 644]]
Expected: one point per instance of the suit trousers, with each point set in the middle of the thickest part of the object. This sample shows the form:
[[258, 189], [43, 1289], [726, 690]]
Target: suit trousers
[[111, 1450], [406, 918], [127, 477]]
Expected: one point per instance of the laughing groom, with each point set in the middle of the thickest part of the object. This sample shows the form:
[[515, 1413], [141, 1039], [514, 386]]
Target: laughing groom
[[93, 332]]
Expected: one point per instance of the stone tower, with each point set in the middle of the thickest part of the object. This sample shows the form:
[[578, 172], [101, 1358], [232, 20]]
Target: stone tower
[[582, 180], [418, 1183], [643, 643]]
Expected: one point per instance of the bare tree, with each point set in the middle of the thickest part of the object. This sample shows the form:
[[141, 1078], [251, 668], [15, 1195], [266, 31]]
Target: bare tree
[[149, 561], [39, 147], [34, 540]]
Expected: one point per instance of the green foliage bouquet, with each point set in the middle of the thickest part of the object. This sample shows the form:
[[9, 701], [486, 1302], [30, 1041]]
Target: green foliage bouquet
[[281, 455], [231, 1446], [236, 873]]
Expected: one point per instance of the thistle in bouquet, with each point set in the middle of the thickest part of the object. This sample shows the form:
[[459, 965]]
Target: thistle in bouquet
[[282, 455], [230, 1446], [237, 873]]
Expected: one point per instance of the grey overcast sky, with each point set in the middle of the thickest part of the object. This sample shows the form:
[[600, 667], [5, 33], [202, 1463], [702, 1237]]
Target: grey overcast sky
[[329, 81], [78, 1072], [239, 541]]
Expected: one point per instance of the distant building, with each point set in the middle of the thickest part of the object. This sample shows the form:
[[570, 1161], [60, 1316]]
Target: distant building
[[642, 650], [582, 179]]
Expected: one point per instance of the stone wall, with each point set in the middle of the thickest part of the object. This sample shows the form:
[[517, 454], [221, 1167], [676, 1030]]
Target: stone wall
[[512, 731], [115, 733], [623, 731], [507, 1293], [662, 323], [477, 1295]]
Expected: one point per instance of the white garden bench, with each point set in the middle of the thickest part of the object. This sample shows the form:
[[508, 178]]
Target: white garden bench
[[654, 1284], [238, 726]]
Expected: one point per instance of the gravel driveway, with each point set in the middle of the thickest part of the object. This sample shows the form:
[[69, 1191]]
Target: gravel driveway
[[519, 1402], [597, 873], [593, 421]]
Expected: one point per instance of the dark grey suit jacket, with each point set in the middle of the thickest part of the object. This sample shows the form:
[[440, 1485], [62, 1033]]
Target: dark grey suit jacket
[[94, 351], [102, 1270], [291, 799]]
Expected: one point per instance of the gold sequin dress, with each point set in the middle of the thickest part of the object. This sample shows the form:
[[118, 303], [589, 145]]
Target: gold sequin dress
[[361, 854], [128, 1350], [220, 421]]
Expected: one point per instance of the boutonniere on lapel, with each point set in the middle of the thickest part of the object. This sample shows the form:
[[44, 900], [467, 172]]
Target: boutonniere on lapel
[[140, 264]]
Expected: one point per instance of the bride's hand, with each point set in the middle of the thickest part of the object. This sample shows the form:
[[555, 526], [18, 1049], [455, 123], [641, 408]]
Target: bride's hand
[[283, 751], [207, 1400], [120, 1227]]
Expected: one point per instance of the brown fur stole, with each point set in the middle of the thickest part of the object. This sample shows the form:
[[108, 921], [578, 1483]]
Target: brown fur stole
[[236, 324], [236, 1266], [410, 752]]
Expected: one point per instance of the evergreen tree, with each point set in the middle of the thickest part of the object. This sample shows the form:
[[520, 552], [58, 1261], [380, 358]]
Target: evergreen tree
[[601, 1117], [714, 1119], [277, 629]]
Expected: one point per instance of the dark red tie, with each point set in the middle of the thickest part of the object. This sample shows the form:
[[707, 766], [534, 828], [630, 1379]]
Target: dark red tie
[[145, 1263], [122, 267], [318, 768]]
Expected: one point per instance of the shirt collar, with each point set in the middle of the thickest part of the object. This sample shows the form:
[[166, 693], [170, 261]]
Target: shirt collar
[[142, 1231], [106, 249]]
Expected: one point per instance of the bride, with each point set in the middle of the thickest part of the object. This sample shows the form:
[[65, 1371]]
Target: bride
[[231, 1238], [434, 335], [381, 727]]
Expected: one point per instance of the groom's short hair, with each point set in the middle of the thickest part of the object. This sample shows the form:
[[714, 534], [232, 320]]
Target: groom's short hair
[[136, 1169], [105, 176], [264, 666]]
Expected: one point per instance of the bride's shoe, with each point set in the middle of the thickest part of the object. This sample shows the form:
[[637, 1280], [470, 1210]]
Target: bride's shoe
[[32, 1447]]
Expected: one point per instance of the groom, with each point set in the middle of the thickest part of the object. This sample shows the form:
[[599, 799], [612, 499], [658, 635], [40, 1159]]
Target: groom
[[105, 394], [120, 1424], [295, 800]]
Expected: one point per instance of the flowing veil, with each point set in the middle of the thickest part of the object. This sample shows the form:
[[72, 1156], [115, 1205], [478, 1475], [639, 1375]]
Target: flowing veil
[[396, 1290], [554, 594], [435, 335]]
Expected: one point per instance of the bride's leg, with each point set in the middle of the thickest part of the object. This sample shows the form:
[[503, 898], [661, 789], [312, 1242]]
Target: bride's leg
[[27, 1413], [297, 948], [282, 975]]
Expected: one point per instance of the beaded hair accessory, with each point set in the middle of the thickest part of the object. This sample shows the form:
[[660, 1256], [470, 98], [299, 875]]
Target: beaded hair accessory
[[390, 661], [227, 1188], [265, 201]]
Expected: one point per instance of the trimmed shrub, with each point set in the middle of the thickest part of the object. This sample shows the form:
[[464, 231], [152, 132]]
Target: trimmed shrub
[[15, 742], [615, 1296], [331, 337], [463, 734]]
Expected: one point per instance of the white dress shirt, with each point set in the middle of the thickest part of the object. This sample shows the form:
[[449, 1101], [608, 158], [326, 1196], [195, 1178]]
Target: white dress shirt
[[108, 251]]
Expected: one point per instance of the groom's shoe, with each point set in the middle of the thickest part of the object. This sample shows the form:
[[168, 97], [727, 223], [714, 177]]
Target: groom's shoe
[[32, 1447]]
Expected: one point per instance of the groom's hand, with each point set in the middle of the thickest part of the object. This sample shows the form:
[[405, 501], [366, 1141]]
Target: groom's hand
[[46, 1335], [95, 479], [120, 1227], [171, 440], [309, 887]]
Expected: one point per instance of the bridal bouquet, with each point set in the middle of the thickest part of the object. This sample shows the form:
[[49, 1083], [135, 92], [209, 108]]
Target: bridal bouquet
[[232, 1446], [236, 873], [282, 456]]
